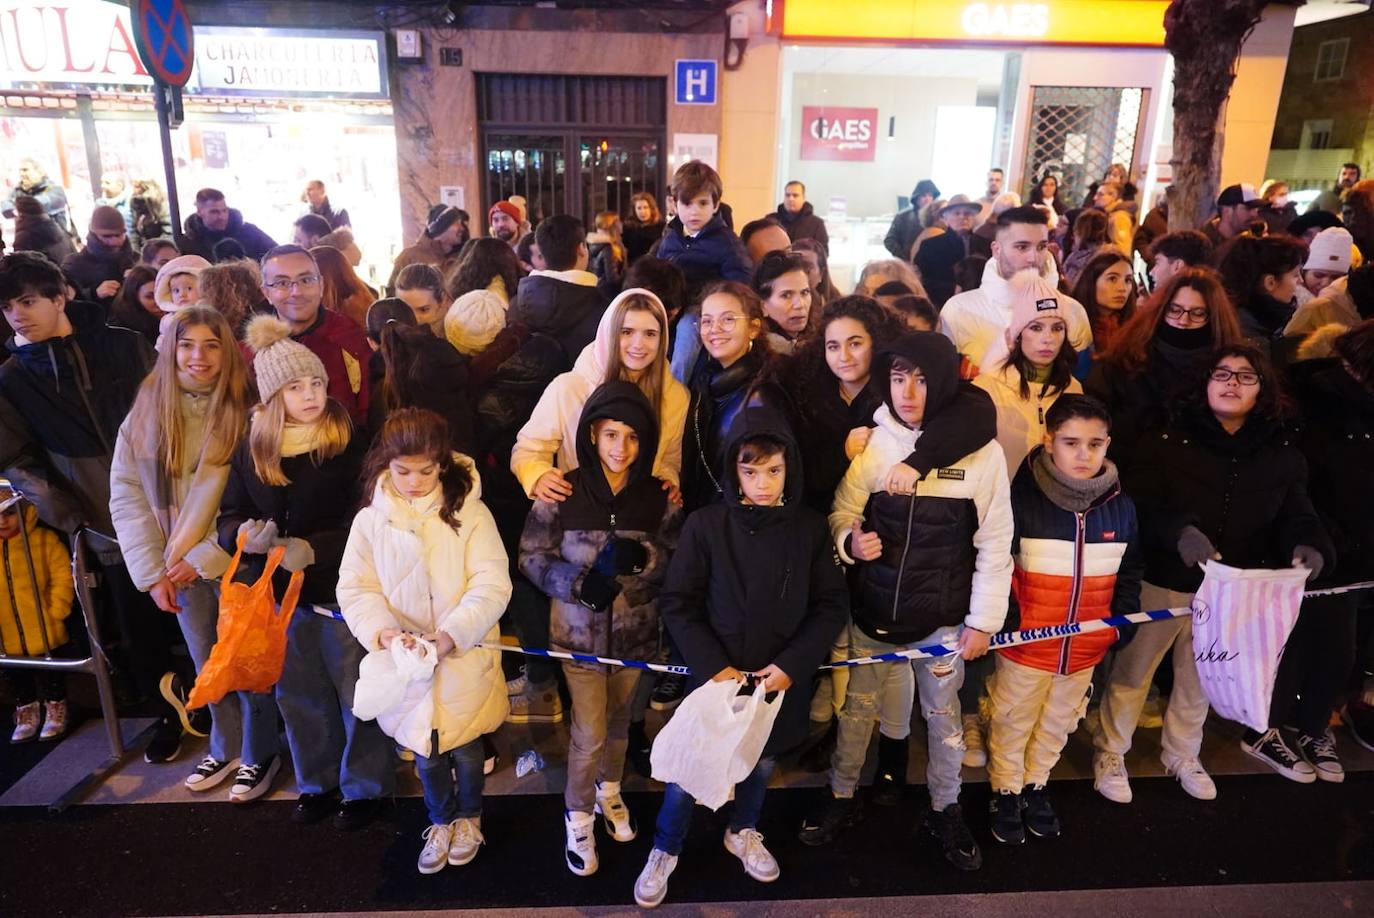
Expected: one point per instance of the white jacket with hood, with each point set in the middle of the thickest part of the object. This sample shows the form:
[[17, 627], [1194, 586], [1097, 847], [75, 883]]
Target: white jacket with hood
[[404, 567], [548, 439], [1020, 421], [975, 319]]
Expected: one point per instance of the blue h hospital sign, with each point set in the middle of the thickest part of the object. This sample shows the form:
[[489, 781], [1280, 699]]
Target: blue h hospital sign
[[696, 82]]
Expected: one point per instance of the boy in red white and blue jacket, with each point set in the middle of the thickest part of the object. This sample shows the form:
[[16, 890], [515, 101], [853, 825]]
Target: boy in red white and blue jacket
[[1077, 557]]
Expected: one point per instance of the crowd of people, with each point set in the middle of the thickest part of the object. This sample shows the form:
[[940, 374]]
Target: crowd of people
[[655, 439]]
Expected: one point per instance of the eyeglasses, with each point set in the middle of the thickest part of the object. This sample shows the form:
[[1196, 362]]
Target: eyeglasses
[[1244, 377], [284, 285], [1175, 311], [725, 323]]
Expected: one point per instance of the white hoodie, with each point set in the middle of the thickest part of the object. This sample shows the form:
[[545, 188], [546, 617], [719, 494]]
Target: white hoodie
[[549, 437], [977, 319], [404, 567]]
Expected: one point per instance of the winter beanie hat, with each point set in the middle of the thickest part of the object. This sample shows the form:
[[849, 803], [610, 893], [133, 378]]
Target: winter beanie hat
[[1032, 298], [106, 219], [507, 208], [441, 219], [474, 320], [1330, 251], [276, 358], [182, 264]]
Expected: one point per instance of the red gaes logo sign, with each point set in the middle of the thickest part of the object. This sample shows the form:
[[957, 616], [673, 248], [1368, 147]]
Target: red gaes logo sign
[[846, 134]]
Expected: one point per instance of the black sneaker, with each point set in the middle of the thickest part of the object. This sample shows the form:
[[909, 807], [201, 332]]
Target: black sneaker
[[1040, 816], [951, 833], [638, 752], [174, 692], [829, 818], [816, 758], [253, 781], [165, 745], [354, 814], [1271, 749], [1004, 811], [314, 807], [1359, 720], [1320, 752], [669, 691]]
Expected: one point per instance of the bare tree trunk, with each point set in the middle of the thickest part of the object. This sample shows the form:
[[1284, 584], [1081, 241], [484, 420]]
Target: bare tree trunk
[[1205, 38]]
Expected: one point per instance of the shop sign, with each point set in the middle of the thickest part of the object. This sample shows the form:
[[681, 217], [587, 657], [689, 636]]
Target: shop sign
[[92, 42], [289, 62], [85, 41], [1050, 22], [838, 134]]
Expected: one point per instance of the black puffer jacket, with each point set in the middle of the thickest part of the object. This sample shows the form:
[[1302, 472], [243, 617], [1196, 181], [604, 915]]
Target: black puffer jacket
[[61, 404], [97, 263], [946, 550], [639, 238], [439, 383], [567, 312], [804, 224], [38, 233], [200, 239], [1247, 492], [317, 506], [1337, 437], [752, 586]]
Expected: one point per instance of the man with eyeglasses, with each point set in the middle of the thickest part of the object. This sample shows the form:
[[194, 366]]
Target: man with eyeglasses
[[291, 282]]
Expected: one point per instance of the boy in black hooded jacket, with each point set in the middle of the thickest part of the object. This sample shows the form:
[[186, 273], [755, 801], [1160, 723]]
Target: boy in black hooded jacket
[[754, 587]]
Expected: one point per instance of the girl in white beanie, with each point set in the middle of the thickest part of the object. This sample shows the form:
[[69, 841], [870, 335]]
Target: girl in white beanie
[[294, 482]]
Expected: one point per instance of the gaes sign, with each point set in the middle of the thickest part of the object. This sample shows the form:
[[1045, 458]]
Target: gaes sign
[[838, 134]]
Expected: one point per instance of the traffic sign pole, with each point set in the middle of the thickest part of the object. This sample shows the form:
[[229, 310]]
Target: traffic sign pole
[[162, 96]]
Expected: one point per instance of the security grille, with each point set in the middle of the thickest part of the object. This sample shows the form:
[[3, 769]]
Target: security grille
[[1078, 132], [572, 144]]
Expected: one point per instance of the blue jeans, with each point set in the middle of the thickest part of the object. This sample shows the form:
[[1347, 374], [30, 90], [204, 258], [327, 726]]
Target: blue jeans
[[243, 725], [883, 691], [453, 781], [675, 816], [329, 746]]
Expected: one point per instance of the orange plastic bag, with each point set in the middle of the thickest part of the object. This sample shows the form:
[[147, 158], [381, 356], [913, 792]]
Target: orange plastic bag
[[250, 645]]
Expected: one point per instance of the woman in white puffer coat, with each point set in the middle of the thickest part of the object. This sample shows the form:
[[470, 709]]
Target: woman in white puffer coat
[[424, 562], [631, 345]]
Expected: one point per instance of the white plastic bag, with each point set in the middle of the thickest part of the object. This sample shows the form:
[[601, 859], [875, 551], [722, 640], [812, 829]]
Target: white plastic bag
[[384, 676], [1241, 621], [699, 749]]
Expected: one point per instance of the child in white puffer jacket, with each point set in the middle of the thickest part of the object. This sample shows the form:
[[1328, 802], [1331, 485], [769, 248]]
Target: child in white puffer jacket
[[424, 562]]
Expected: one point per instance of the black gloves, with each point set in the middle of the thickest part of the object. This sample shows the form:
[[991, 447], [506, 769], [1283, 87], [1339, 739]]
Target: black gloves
[[597, 591], [619, 557]]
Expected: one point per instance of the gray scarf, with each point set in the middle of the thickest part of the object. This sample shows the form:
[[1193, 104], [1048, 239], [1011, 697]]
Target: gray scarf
[[1072, 494]]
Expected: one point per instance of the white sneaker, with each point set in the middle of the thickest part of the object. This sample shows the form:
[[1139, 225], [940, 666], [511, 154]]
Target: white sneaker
[[652, 885], [209, 773], [1190, 773], [25, 722], [975, 750], [434, 855], [580, 850], [1110, 778], [467, 838], [620, 825], [747, 845]]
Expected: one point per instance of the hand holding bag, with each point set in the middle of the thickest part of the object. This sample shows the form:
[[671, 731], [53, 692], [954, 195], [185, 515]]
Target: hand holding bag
[[250, 641]]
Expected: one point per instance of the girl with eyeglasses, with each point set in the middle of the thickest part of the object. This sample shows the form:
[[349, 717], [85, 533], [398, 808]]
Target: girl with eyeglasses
[[728, 374], [1162, 346], [1225, 481]]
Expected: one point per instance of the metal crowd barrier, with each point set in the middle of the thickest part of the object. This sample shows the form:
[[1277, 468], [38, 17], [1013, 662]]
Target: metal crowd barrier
[[95, 664]]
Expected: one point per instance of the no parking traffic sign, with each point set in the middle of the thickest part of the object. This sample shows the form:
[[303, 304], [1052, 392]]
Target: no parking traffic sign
[[162, 32]]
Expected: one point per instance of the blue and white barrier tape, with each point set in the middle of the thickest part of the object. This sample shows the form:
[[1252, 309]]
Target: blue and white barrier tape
[[929, 651]]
